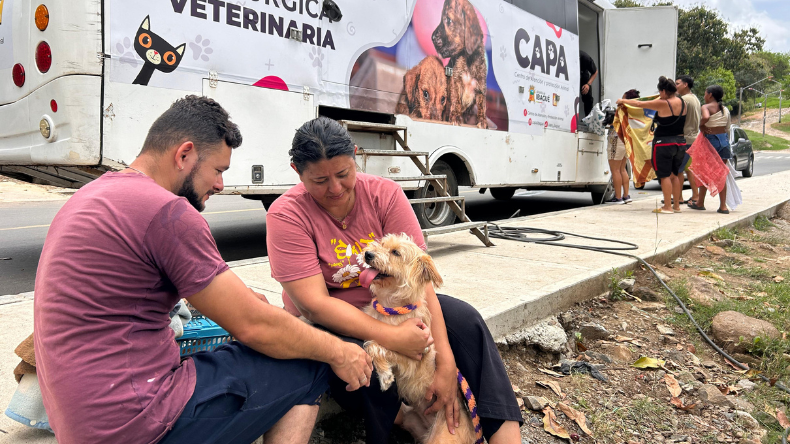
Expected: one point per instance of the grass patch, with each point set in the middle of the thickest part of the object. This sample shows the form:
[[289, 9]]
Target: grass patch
[[784, 126], [767, 143], [724, 233], [762, 223], [615, 292], [738, 248]]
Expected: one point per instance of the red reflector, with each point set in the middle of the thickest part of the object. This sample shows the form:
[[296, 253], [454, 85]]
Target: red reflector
[[54, 105], [18, 73], [43, 57]]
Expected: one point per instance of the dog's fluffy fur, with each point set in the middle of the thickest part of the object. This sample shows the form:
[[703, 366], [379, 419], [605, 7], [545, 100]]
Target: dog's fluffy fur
[[404, 271], [460, 37], [424, 90]]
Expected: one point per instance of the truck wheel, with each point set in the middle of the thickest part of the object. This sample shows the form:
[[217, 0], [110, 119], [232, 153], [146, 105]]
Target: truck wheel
[[503, 193], [749, 171], [436, 214], [598, 196]]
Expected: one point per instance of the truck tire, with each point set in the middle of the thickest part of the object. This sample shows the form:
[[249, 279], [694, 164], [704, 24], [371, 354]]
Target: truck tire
[[436, 214], [504, 193], [598, 195]]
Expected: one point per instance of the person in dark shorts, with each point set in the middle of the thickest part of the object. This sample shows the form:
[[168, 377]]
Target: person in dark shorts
[[588, 74], [669, 144], [118, 257]]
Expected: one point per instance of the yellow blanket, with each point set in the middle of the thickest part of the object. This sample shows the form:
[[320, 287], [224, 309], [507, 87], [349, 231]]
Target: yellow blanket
[[633, 125]]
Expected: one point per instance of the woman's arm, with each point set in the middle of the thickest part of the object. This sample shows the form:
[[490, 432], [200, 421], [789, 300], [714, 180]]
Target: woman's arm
[[704, 117], [444, 384], [656, 104], [312, 299]]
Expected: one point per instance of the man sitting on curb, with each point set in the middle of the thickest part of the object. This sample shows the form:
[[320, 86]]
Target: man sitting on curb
[[118, 256]]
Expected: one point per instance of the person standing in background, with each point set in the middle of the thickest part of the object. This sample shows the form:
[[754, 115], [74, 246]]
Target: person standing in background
[[715, 124], [588, 74], [691, 129], [617, 161]]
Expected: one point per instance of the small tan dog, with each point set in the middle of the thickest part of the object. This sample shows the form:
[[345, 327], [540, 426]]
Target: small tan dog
[[399, 272]]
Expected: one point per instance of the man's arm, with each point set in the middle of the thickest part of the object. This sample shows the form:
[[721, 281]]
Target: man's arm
[[276, 333]]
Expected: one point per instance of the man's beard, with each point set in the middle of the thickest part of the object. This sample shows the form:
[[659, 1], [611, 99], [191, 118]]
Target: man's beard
[[187, 190]]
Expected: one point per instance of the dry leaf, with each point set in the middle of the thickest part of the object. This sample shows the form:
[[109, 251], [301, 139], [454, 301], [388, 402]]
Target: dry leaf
[[724, 389], [577, 416], [679, 404], [679, 347], [623, 339], [778, 279], [735, 366], [520, 402], [710, 274], [782, 418], [691, 348], [553, 386], [672, 385], [581, 347], [743, 297], [551, 373], [551, 425], [645, 362]]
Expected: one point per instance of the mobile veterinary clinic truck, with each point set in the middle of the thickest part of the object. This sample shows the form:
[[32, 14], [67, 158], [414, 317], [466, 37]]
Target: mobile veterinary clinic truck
[[488, 88]]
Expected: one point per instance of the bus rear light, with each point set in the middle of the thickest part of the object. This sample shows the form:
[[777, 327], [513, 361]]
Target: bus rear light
[[54, 105], [43, 57], [42, 17], [18, 73]]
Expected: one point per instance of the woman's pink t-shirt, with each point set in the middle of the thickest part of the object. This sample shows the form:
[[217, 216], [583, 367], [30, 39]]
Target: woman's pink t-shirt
[[304, 240]]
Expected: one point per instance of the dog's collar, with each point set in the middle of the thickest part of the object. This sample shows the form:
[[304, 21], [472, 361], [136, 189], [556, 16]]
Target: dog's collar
[[394, 311]]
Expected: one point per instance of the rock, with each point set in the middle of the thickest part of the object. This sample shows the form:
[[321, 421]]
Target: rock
[[702, 292], [685, 377], [724, 243], [715, 250], [664, 330], [741, 404], [548, 335], [647, 294], [594, 332], [567, 320], [536, 403], [709, 364], [627, 284], [746, 385], [598, 356], [650, 306], [747, 420], [747, 359], [621, 353], [661, 275], [728, 327], [711, 394]]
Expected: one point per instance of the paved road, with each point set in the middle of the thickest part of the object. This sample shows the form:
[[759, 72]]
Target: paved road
[[239, 226]]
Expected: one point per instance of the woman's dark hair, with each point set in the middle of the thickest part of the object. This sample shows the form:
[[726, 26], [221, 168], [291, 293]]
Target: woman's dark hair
[[667, 85], [193, 118], [319, 139], [631, 94], [718, 93]]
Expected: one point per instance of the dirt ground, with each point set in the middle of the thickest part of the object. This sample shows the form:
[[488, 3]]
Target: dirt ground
[[753, 121], [633, 406]]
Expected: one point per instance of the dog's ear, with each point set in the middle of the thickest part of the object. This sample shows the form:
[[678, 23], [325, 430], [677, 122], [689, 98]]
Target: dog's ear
[[411, 85], [428, 271], [473, 33]]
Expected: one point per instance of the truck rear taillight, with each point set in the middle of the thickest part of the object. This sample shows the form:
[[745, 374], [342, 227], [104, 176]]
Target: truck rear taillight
[[53, 105], [43, 57], [42, 17], [18, 73]]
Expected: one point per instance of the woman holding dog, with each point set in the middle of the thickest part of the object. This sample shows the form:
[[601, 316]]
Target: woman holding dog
[[315, 236]]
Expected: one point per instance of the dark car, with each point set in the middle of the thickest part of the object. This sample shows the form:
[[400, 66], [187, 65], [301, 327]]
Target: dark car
[[742, 154]]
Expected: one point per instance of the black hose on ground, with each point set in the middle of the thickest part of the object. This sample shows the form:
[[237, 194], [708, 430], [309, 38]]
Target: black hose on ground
[[552, 237]]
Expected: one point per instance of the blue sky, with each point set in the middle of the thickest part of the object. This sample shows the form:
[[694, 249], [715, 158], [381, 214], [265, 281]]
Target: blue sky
[[771, 17]]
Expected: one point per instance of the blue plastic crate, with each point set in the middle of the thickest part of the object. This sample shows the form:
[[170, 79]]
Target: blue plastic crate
[[202, 334]]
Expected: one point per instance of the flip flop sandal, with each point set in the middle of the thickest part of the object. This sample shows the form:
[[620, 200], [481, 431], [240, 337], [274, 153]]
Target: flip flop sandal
[[723, 211], [662, 211], [676, 211], [694, 206]]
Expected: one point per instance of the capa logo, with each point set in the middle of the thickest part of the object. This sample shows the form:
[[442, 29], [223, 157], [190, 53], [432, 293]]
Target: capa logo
[[553, 57]]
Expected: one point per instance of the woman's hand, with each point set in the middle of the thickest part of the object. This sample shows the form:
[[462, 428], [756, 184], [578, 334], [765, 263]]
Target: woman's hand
[[411, 338], [445, 388], [619, 102]]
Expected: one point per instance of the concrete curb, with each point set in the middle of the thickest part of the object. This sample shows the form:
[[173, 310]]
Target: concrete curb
[[531, 312]]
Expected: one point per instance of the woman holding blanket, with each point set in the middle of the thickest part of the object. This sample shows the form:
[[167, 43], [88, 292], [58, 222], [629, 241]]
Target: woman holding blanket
[[315, 235], [669, 145], [715, 124]]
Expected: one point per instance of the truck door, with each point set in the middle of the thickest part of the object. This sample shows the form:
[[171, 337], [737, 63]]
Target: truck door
[[640, 45]]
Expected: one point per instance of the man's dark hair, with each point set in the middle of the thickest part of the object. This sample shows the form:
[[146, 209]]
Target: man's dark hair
[[194, 118], [687, 80], [319, 139]]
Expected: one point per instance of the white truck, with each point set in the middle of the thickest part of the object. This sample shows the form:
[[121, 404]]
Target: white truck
[[82, 81]]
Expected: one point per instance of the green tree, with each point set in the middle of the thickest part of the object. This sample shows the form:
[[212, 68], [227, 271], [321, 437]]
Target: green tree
[[716, 76], [750, 40], [779, 63], [627, 4]]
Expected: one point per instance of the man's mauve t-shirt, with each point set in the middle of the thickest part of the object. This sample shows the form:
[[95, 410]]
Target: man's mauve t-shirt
[[303, 240], [117, 258]]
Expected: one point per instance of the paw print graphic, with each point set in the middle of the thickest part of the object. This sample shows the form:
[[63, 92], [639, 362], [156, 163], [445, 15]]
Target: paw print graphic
[[502, 52], [567, 111], [562, 61], [317, 57], [537, 52], [543, 107], [200, 48], [550, 51], [128, 56]]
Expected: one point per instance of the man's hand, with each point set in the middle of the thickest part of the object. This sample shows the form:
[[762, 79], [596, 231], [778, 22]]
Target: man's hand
[[585, 89], [259, 296], [411, 339], [445, 388], [352, 365]]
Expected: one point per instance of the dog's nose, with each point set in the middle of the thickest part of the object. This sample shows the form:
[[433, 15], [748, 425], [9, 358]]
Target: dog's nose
[[368, 256]]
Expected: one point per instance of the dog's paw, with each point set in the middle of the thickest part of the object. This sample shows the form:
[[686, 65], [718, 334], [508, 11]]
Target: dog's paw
[[385, 380]]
